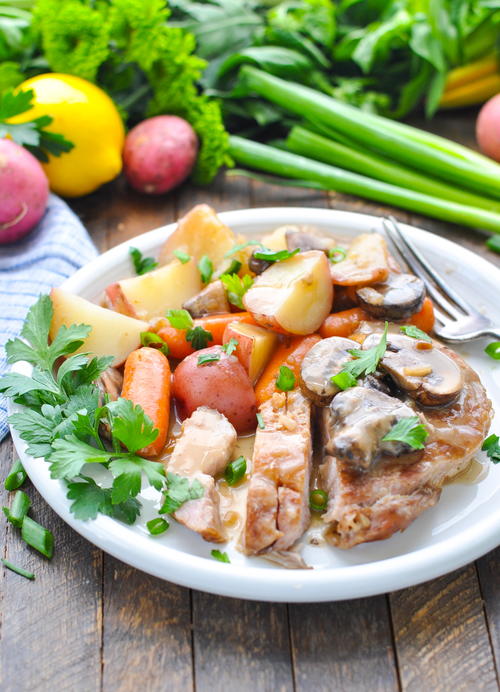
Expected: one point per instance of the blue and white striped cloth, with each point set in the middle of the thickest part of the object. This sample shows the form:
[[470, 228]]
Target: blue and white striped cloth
[[54, 250]]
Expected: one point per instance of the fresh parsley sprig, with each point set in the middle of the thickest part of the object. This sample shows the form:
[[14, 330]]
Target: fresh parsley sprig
[[236, 287], [364, 363], [415, 333], [142, 265], [492, 448], [409, 430], [197, 336]]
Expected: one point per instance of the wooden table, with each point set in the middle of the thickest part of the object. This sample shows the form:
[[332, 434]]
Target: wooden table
[[88, 622]]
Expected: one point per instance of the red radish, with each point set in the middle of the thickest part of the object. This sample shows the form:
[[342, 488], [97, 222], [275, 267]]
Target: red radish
[[24, 190], [488, 128], [159, 154]]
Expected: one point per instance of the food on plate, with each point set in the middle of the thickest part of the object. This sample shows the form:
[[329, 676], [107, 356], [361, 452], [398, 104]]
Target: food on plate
[[159, 153], [488, 128], [325, 394], [24, 191], [293, 296], [112, 334]]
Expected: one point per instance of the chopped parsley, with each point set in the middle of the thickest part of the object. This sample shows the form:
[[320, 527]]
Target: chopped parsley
[[198, 337], [231, 346], [207, 358], [178, 491], [206, 267], [285, 381], [182, 256], [179, 319], [410, 431], [236, 287], [234, 267], [152, 339], [142, 265], [415, 333], [221, 557], [365, 362], [493, 350], [492, 448]]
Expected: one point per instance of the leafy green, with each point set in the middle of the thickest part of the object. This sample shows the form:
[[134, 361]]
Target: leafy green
[[198, 337], [221, 557], [157, 526], [89, 500], [179, 319], [236, 287], [230, 347], [207, 358], [492, 448], [365, 362], [285, 381], [142, 265], [131, 425], [241, 246], [415, 333], [178, 491], [410, 431]]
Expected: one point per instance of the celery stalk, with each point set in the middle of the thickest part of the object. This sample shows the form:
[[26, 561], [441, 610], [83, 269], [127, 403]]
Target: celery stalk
[[386, 140], [264, 158], [302, 141]]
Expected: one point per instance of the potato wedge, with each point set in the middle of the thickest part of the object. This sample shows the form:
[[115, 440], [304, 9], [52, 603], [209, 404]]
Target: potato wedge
[[151, 295], [112, 334], [366, 262], [294, 296], [255, 346], [199, 233]]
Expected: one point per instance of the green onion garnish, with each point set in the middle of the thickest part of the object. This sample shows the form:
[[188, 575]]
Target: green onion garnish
[[157, 526], [221, 557], [206, 267], [344, 380], [336, 254], [260, 421], [17, 476], [493, 350], [37, 537], [235, 470], [182, 256], [318, 500], [18, 570], [151, 339], [19, 509]]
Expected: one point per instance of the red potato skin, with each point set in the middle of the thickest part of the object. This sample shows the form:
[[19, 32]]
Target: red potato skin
[[488, 128], [24, 191], [159, 154], [222, 385]]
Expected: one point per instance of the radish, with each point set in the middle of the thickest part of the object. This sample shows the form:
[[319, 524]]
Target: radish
[[159, 154], [24, 190], [488, 128]]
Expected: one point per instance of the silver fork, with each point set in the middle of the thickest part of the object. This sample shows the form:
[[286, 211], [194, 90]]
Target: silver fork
[[458, 320]]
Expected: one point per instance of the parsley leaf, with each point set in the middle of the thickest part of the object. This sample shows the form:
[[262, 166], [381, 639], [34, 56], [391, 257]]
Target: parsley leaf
[[231, 346], [89, 500], [179, 491], [198, 337], [415, 333], [493, 350], [152, 339], [275, 255], [182, 256], [142, 265], [206, 267], [492, 448], [367, 361], [69, 455], [221, 557], [127, 474], [179, 319], [131, 425], [344, 380], [236, 287], [207, 358], [410, 431], [285, 381]]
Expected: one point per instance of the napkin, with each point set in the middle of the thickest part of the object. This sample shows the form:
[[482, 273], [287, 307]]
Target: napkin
[[55, 249]]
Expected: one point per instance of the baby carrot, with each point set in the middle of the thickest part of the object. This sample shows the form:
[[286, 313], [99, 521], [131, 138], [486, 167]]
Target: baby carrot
[[146, 381], [424, 319], [343, 323], [290, 353], [179, 347]]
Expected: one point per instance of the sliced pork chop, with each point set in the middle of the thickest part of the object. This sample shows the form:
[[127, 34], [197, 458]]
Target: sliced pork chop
[[203, 450], [278, 494], [370, 505]]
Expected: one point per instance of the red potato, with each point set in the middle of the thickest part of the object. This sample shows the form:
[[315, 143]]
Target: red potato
[[488, 128], [159, 154], [222, 385], [254, 348], [24, 190]]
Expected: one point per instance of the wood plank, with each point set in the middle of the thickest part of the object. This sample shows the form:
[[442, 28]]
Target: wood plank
[[147, 632], [488, 568], [343, 646], [240, 645], [441, 636], [51, 627]]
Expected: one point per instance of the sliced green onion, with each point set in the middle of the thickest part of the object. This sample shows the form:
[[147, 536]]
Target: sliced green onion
[[274, 255], [260, 421], [17, 476], [221, 557], [157, 526], [493, 350], [150, 338], [18, 570], [234, 267], [37, 537], [182, 256], [206, 267], [336, 254], [493, 243], [344, 380], [318, 500], [19, 509], [235, 470]]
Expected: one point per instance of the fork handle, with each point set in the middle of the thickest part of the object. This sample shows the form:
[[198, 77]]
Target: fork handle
[[495, 333]]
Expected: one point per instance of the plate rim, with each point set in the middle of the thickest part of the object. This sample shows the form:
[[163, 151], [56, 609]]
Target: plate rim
[[253, 583]]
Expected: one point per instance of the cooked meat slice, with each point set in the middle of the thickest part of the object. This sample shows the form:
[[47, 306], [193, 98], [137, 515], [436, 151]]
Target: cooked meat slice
[[110, 382], [278, 494], [212, 300], [203, 449], [372, 505], [360, 417], [426, 371], [397, 298], [366, 262], [326, 358]]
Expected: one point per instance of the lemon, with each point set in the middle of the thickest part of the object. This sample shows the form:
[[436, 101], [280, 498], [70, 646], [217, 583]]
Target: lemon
[[86, 116]]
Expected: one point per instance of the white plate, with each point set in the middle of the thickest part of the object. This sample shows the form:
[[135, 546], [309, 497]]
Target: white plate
[[464, 525]]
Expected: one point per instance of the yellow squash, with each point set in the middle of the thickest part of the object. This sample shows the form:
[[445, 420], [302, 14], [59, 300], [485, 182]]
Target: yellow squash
[[86, 116]]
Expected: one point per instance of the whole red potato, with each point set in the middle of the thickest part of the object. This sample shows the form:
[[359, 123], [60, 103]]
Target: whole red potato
[[488, 128], [159, 154], [221, 384], [24, 190]]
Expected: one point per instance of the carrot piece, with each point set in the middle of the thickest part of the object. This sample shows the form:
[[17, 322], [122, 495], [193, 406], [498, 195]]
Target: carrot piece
[[290, 353], [343, 323], [424, 319], [215, 324], [146, 381]]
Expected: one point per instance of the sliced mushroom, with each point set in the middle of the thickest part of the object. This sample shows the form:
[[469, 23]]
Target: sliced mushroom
[[366, 262], [256, 265], [428, 374], [359, 418], [305, 239], [325, 359], [398, 297], [212, 300]]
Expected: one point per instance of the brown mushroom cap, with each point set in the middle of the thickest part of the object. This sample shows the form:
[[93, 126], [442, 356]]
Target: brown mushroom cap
[[398, 297], [325, 359], [428, 375], [306, 238]]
